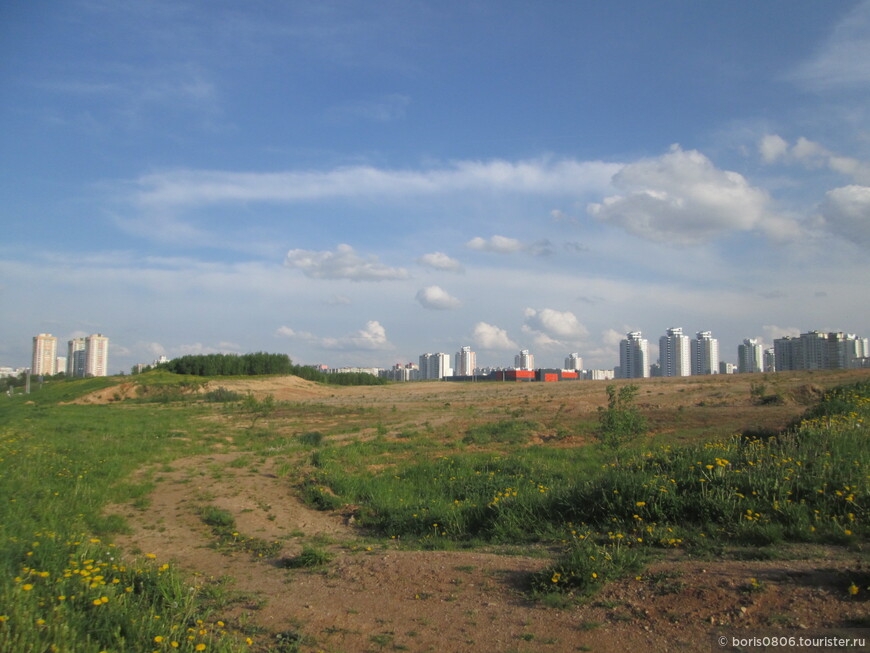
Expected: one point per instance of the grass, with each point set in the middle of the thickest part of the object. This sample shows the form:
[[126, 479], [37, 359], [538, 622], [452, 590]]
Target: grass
[[62, 582], [806, 484]]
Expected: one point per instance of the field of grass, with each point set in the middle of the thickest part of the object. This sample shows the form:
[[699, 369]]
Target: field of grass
[[426, 467], [63, 585]]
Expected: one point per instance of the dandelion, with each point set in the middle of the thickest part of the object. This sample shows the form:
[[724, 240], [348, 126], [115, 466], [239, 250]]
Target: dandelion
[[640, 504], [158, 639], [853, 589], [556, 577], [199, 647], [27, 587]]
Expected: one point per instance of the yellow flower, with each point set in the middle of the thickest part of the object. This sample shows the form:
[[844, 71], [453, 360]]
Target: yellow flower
[[640, 504], [853, 589], [556, 577], [158, 639], [27, 587], [199, 647]]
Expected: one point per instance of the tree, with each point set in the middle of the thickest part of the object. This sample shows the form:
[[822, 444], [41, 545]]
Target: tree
[[621, 422], [257, 409]]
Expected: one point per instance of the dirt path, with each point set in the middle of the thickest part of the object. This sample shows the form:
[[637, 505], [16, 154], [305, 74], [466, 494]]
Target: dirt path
[[373, 596]]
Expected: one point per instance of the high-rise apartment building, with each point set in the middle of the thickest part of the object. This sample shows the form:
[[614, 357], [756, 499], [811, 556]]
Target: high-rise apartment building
[[750, 356], [674, 357], [814, 350], [96, 355], [705, 353], [466, 362], [769, 360], [44, 355], [574, 362], [435, 366], [524, 360], [75, 358], [634, 356]]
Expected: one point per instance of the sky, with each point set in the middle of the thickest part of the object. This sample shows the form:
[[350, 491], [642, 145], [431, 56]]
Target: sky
[[361, 183]]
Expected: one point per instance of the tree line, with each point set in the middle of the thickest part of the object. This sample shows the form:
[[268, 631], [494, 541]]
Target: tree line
[[260, 363], [229, 364]]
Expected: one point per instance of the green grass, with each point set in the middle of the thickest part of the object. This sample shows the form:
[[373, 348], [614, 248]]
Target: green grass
[[63, 585], [807, 484]]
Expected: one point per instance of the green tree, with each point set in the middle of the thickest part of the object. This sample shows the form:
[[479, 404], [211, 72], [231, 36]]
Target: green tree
[[257, 409], [621, 422]]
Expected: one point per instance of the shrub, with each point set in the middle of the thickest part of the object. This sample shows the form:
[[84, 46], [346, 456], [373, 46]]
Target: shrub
[[620, 422]]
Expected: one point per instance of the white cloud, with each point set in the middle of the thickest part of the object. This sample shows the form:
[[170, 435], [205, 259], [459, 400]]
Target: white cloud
[[496, 244], [844, 59], [504, 245], [813, 155], [488, 336], [436, 298], [534, 177], [372, 337], [772, 147], [440, 261], [682, 198], [846, 212], [772, 332], [343, 263], [553, 328]]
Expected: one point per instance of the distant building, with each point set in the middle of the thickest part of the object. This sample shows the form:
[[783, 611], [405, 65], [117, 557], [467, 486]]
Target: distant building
[[524, 360], [705, 354], [75, 358], [814, 350], [727, 368], [674, 357], [96, 355], [466, 362], [769, 360], [44, 355], [750, 356], [399, 372], [599, 375], [634, 356], [574, 362], [435, 366]]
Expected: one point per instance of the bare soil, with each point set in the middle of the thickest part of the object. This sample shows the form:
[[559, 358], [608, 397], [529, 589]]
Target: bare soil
[[376, 595]]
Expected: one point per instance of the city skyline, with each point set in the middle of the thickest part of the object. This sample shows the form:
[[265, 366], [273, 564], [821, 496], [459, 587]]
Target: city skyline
[[88, 356], [363, 183]]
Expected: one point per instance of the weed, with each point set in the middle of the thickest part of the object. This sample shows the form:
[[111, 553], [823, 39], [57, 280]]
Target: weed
[[308, 558]]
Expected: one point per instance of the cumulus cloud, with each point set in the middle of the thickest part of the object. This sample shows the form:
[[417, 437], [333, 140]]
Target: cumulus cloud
[[343, 263], [436, 298], [846, 212], [772, 332], [772, 147], [440, 261], [372, 337], [812, 155], [488, 336], [682, 198], [553, 328]]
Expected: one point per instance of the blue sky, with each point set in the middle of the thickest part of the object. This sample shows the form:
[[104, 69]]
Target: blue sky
[[360, 183]]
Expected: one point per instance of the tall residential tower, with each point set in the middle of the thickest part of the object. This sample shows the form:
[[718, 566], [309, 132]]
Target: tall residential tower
[[634, 356]]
